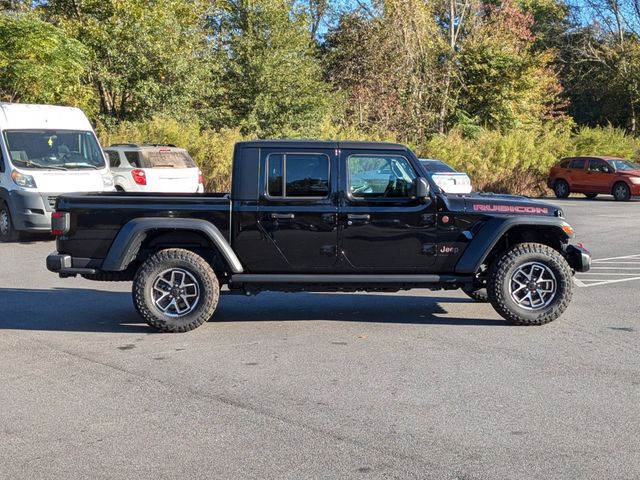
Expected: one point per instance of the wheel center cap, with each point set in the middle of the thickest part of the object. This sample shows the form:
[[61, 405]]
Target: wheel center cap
[[175, 292], [533, 286]]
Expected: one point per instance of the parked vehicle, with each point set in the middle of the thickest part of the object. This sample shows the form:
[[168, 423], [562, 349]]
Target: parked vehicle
[[446, 177], [153, 168], [44, 151], [301, 216], [594, 175]]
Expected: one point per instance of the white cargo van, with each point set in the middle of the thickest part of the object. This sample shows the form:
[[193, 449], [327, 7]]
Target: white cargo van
[[44, 151]]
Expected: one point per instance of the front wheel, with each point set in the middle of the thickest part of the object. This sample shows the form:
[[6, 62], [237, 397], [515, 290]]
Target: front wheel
[[530, 285], [175, 290], [621, 192], [7, 232]]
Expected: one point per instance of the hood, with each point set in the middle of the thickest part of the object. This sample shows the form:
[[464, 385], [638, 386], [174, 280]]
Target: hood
[[629, 173], [490, 203]]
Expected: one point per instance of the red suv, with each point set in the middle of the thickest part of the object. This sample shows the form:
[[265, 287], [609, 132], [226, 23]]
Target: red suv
[[594, 175]]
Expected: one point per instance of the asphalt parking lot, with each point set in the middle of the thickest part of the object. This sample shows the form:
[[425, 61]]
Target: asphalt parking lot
[[295, 386]]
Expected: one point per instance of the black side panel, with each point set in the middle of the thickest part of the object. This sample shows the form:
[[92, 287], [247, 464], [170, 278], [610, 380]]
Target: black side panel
[[246, 174], [493, 230], [128, 241]]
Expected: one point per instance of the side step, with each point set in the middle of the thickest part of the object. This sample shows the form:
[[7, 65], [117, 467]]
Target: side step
[[326, 279]]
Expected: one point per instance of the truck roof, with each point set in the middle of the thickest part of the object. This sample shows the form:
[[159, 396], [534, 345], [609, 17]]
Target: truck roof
[[321, 144], [45, 117]]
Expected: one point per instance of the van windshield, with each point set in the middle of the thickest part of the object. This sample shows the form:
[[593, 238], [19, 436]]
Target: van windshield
[[54, 149]]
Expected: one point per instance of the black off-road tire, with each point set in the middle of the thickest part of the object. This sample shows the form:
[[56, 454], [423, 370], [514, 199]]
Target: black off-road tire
[[7, 232], [590, 195], [621, 192], [195, 265], [506, 266], [561, 189], [480, 295]]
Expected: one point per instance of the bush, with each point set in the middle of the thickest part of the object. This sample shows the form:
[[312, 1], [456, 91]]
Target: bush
[[514, 162], [518, 161]]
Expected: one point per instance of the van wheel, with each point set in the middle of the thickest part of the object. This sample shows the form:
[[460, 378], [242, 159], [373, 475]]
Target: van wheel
[[175, 290], [561, 189], [530, 285], [7, 232], [621, 192]]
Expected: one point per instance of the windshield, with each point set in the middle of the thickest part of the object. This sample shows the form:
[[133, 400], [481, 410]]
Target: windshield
[[436, 166], [622, 165], [54, 149]]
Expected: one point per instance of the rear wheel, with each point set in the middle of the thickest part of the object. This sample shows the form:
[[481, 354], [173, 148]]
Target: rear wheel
[[530, 285], [621, 192], [7, 232], [175, 290], [561, 189], [591, 195]]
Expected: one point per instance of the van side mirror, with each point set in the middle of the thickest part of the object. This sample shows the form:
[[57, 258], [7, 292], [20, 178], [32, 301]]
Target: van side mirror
[[422, 187]]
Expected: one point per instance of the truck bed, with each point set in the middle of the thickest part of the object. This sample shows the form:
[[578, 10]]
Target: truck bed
[[98, 217]]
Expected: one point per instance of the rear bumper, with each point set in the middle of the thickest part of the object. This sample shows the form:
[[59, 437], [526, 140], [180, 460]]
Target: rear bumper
[[578, 258], [67, 266]]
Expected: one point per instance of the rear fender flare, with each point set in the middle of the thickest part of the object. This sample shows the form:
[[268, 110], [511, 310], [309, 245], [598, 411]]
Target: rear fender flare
[[494, 230], [129, 239]]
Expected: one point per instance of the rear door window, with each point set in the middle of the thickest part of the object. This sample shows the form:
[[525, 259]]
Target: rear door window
[[298, 175], [577, 163]]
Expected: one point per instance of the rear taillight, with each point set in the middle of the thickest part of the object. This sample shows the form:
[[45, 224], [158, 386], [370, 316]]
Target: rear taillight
[[199, 177], [139, 176], [60, 223]]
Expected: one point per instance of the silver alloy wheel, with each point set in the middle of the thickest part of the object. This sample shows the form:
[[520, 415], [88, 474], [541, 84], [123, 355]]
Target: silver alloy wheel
[[176, 292], [533, 286], [620, 191], [4, 222]]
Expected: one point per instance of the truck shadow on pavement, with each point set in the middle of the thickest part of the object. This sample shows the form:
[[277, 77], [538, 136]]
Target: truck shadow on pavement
[[88, 310]]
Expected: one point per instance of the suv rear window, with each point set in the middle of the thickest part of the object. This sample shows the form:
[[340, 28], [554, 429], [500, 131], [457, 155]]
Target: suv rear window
[[167, 158], [577, 163]]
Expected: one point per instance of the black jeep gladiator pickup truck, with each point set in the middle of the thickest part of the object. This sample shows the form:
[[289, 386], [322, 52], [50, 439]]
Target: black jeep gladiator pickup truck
[[319, 216]]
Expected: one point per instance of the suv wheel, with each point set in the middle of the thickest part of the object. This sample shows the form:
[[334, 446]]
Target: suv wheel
[[561, 189], [479, 295], [175, 290], [621, 192], [7, 232], [531, 284]]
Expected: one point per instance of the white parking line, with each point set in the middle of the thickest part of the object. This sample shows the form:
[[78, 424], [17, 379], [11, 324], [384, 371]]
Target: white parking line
[[602, 269]]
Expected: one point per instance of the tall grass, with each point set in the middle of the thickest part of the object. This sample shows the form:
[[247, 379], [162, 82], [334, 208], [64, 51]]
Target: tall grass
[[514, 162]]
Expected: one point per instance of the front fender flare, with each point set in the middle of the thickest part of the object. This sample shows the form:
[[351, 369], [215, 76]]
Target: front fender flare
[[127, 243], [493, 230]]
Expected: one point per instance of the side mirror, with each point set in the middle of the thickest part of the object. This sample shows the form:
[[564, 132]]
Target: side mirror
[[422, 188]]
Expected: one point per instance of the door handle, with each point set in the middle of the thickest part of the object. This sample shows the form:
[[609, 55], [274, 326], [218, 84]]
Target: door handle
[[358, 216], [283, 216]]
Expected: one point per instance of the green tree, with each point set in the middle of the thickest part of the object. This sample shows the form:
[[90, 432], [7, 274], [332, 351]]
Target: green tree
[[39, 63], [146, 56], [506, 82], [272, 81]]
